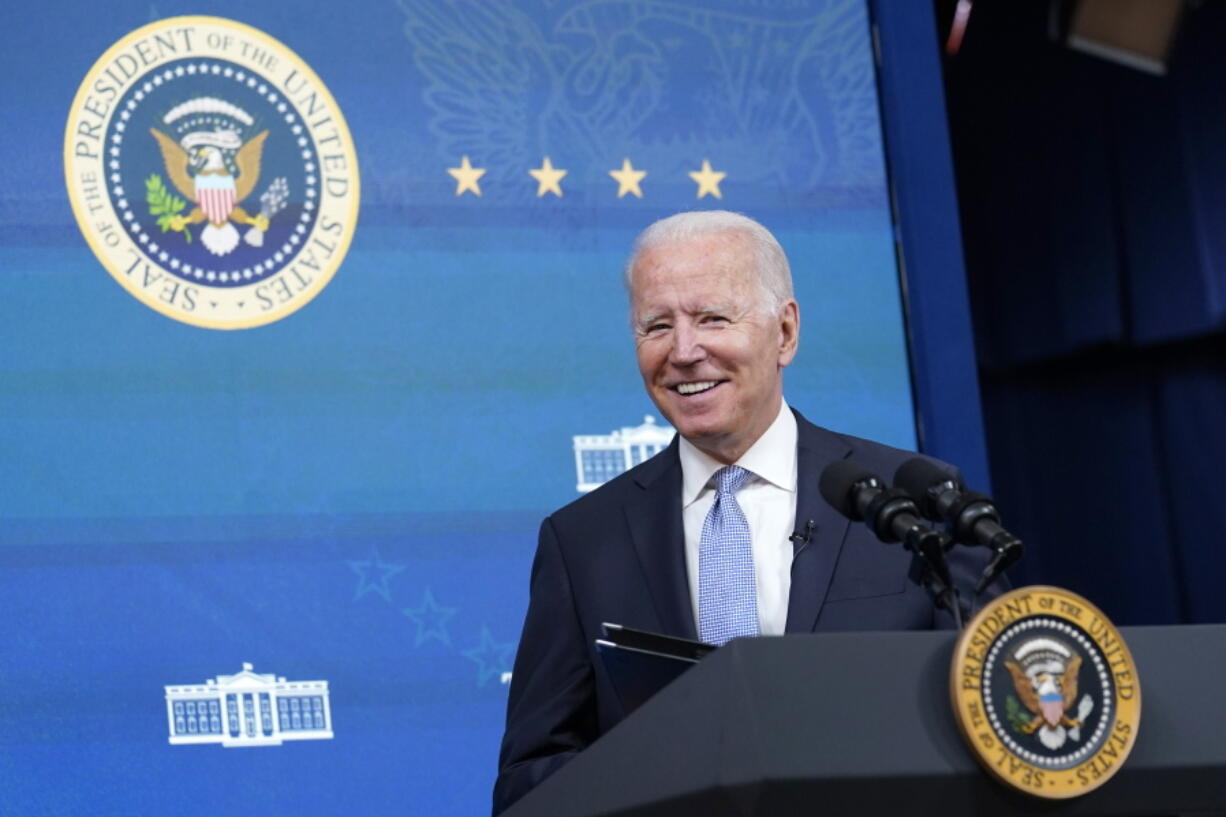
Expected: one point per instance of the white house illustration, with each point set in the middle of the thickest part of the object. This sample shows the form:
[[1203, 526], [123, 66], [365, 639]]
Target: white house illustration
[[600, 457], [248, 709]]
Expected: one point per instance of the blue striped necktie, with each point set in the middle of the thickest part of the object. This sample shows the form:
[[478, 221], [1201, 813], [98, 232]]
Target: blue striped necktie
[[727, 592]]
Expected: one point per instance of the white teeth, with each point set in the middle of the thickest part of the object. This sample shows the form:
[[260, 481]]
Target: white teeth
[[694, 388]]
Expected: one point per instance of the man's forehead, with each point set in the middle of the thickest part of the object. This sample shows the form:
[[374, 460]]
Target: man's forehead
[[699, 290], [705, 273], [693, 269]]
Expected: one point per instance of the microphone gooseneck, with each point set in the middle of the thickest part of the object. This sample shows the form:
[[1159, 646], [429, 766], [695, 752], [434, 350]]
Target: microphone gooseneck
[[892, 516]]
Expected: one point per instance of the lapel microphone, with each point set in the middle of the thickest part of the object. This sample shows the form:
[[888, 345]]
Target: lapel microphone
[[799, 538]]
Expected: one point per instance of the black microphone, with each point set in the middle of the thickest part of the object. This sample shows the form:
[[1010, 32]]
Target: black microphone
[[974, 517], [862, 497], [891, 514], [801, 539]]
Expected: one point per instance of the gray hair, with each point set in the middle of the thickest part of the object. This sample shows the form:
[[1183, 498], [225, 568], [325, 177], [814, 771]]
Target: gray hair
[[774, 276]]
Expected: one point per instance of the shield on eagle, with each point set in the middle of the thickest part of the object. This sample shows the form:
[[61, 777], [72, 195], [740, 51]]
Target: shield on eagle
[[212, 165]]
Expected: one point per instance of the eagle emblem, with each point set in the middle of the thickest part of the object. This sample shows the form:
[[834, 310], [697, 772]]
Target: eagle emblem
[[211, 165], [1044, 672]]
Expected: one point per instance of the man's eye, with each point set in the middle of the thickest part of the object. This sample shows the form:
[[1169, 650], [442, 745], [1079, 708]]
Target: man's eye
[[656, 328]]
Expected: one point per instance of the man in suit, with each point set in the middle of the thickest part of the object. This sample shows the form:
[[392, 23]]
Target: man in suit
[[698, 541]]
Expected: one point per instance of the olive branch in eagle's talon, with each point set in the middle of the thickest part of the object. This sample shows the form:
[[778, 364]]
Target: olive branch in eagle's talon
[[166, 206]]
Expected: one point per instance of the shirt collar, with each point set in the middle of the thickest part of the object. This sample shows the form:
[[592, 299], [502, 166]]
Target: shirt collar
[[771, 458]]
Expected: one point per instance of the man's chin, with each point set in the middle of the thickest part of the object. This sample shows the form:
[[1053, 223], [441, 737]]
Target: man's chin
[[705, 438]]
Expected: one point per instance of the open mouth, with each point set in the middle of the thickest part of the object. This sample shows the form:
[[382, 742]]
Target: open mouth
[[687, 389]]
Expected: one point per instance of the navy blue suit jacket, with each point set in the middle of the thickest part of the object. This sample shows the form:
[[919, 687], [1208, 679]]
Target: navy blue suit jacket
[[617, 555]]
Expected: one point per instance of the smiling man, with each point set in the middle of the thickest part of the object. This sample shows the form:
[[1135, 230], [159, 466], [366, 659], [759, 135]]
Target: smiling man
[[724, 533]]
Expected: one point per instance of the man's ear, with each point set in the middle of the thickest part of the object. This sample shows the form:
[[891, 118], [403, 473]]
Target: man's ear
[[789, 332]]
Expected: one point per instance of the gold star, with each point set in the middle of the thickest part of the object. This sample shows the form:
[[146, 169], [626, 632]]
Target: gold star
[[547, 178], [466, 177], [628, 179], [708, 180]]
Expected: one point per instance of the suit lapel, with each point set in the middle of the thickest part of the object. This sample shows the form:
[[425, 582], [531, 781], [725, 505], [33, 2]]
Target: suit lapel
[[813, 563], [654, 517]]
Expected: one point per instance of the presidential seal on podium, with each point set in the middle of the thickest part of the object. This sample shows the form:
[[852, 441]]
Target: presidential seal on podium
[[1045, 692]]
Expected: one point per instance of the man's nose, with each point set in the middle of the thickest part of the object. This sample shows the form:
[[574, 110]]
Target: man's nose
[[687, 346]]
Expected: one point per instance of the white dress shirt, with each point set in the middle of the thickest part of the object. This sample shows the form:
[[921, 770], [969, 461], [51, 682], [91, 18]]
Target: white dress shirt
[[768, 500]]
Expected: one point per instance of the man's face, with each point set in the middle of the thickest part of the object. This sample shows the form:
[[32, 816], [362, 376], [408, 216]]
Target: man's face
[[710, 356]]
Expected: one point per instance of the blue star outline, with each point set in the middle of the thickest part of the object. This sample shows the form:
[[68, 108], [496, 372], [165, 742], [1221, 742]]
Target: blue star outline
[[431, 619], [491, 657], [373, 575]]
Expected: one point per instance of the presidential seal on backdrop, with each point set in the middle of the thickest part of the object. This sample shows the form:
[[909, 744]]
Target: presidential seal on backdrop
[[1045, 692], [211, 172]]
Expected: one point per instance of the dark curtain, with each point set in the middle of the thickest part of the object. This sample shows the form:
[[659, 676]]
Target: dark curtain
[[1093, 206]]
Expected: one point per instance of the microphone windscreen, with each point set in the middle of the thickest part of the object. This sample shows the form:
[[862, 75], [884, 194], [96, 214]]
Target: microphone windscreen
[[917, 475], [836, 485]]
